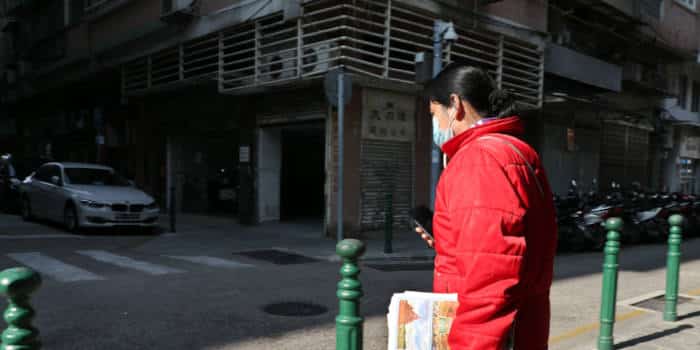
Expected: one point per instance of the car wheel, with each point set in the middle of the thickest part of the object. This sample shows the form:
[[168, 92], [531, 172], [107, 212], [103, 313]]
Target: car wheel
[[70, 219], [26, 210]]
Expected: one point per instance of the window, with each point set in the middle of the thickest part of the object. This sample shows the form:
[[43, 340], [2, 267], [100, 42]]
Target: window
[[94, 177], [44, 173], [683, 91], [695, 101], [690, 4]]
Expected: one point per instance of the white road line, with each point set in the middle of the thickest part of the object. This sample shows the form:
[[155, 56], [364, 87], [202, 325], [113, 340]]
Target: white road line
[[54, 268], [129, 263], [39, 236], [211, 261]]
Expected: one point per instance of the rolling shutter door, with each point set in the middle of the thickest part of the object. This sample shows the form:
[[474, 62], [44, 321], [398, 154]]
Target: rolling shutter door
[[386, 166]]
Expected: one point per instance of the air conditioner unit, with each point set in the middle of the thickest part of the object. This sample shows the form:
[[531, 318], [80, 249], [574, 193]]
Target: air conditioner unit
[[279, 66], [177, 10], [319, 58]]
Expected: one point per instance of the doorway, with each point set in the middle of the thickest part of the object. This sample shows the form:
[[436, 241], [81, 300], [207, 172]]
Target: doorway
[[303, 172], [291, 170]]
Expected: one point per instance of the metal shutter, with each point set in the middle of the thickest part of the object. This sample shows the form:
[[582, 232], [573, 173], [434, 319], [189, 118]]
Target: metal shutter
[[386, 165], [624, 155]]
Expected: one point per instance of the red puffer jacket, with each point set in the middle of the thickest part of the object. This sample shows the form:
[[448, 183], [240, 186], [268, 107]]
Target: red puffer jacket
[[495, 238]]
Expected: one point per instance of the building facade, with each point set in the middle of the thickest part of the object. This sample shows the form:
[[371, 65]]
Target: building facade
[[217, 107]]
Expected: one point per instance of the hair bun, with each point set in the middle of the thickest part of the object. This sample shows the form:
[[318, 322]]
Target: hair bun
[[501, 103]]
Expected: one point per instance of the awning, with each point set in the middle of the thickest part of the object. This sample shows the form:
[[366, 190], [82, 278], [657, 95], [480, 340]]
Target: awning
[[680, 116]]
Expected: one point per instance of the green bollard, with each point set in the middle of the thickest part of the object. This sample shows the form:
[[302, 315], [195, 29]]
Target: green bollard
[[609, 294], [673, 262], [17, 284], [388, 223], [348, 323]]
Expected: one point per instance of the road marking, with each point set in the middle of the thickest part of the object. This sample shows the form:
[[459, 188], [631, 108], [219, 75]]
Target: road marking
[[129, 263], [51, 267], [211, 261], [593, 326], [39, 236]]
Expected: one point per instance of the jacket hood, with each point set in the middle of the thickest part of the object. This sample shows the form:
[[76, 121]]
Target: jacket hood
[[509, 126]]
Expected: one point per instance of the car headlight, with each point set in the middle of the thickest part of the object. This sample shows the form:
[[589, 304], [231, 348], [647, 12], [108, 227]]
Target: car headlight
[[152, 206], [92, 204]]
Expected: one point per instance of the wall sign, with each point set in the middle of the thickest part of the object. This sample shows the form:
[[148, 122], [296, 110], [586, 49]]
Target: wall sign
[[388, 116], [690, 147], [244, 154]]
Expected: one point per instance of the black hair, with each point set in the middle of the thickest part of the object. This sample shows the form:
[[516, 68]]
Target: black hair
[[474, 85]]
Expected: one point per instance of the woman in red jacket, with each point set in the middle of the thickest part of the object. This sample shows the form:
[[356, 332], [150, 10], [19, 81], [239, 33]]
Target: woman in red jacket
[[495, 230]]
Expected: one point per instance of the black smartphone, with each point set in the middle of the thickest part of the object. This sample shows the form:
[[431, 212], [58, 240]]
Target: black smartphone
[[424, 229]]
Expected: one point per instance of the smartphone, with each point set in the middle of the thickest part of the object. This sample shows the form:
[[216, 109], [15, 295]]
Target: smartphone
[[423, 228]]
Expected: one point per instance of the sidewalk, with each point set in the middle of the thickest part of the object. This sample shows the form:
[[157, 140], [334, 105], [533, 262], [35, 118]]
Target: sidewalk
[[644, 329], [304, 237]]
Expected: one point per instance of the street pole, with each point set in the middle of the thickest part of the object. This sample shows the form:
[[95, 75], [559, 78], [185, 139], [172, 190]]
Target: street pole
[[348, 323], [341, 109], [673, 262], [609, 293], [17, 284], [434, 150]]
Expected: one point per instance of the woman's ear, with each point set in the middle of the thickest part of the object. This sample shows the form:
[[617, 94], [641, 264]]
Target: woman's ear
[[459, 107]]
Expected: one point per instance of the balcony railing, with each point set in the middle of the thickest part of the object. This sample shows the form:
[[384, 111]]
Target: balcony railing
[[368, 37]]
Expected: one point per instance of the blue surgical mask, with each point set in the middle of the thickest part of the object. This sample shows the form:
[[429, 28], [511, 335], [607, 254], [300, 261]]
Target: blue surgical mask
[[441, 136]]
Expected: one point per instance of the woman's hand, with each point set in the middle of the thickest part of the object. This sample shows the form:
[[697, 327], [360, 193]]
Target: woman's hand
[[425, 236]]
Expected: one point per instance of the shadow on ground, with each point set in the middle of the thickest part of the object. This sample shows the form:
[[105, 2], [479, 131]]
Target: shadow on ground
[[651, 337]]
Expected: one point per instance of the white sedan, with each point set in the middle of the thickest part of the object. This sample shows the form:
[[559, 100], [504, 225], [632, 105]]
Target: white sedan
[[86, 196]]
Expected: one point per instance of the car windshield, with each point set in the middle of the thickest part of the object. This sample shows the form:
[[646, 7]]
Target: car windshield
[[96, 177]]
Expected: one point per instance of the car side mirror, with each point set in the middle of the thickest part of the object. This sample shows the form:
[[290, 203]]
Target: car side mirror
[[56, 180]]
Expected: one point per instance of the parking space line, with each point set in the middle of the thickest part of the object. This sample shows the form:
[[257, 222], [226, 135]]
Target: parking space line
[[40, 236], [211, 261], [54, 268], [592, 327], [129, 263]]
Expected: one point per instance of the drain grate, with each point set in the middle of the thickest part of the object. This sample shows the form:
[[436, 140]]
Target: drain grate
[[277, 257], [295, 309], [411, 266], [657, 303]]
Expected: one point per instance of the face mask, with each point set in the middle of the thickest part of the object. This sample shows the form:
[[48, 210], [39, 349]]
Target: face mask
[[441, 136]]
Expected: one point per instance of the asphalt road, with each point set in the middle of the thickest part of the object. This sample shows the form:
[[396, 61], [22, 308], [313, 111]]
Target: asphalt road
[[194, 291]]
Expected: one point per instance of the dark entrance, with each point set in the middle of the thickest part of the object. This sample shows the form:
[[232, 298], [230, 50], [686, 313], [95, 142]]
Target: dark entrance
[[303, 173]]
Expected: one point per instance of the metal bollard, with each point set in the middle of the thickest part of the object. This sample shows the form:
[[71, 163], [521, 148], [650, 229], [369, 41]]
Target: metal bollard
[[388, 223], [348, 323], [609, 294], [172, 209], [673, 262], [17, 284]]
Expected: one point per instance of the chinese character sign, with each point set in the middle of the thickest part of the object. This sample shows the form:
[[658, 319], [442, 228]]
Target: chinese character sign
[[388, 116]]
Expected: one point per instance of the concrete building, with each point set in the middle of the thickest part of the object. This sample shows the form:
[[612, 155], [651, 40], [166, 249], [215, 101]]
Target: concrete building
[[224, 101], [610, 73]]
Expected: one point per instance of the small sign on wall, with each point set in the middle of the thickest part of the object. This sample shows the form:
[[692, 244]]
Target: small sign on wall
[[690, 147], [388, 116], [244, 154]]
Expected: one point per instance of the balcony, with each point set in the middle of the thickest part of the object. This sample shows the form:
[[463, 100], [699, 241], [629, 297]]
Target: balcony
[[12, 6], [577, 66], [374, 39], [94, 9]]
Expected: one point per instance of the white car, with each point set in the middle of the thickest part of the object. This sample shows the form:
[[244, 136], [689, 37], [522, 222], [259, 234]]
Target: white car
[[85, 196]]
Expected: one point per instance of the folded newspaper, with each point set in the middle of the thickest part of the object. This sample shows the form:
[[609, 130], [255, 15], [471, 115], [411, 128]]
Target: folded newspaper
[[420, 321]]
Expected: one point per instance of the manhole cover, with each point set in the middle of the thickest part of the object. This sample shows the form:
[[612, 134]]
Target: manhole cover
[[295, 309], [658, 303], [278, 257], [421, 266]]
